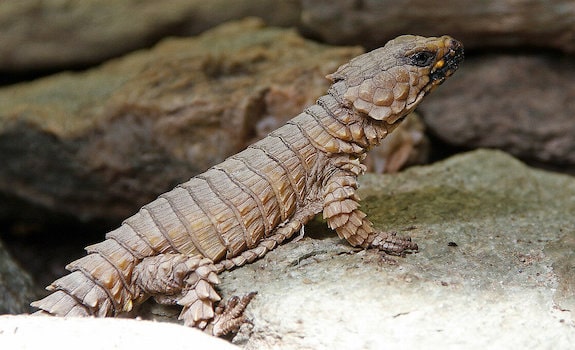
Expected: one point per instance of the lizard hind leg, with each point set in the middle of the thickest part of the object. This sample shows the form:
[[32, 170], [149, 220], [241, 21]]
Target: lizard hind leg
[[189, 282], [230, 316]]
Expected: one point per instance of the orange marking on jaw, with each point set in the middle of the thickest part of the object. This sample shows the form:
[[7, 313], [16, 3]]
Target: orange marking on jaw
[[439, 64]]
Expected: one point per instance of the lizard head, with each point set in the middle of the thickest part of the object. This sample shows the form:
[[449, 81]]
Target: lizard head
[[388, 83]]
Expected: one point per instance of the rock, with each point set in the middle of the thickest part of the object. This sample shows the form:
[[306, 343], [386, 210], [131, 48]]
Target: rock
[[494, 268], [101, 143], [54, 34], [16, 288], [36, 332], [520, 104], [482, 24], [407, 145]]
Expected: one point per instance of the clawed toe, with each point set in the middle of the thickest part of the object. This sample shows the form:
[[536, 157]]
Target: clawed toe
[[390, 243], [230, 317]]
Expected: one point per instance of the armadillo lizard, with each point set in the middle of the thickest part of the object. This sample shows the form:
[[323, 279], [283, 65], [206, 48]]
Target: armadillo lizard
[[238, 210]]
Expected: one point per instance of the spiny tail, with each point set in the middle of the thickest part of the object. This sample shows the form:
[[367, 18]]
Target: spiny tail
[[98, 285]]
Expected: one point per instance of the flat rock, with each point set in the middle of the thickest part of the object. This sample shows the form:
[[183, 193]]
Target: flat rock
[[478, 24], [521, 104], [54, 34], [494, 269], [35, 332], [16, 287], [99, 144]]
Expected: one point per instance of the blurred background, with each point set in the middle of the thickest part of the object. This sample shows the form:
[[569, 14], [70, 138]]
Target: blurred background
[[105, 104]]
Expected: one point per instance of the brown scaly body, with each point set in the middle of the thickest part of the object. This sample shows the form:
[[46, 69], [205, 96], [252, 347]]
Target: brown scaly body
[[238, 210]]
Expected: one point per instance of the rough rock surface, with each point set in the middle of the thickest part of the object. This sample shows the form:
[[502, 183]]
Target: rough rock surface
[[494, 268], [523, 104], [55, 34], [16, 287], [405, 146], [101, 143], [33, 332], [487, 23]]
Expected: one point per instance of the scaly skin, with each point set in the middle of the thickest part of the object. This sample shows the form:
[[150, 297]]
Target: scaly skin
[[238, 210]]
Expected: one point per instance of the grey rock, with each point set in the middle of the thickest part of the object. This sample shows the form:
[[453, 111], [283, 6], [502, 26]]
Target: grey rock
[[488, 23], [521, 104], [16, 287], [53, 34], [98, 144], [494, 268]]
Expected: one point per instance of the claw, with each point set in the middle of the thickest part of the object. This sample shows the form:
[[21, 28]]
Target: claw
[[231, 317], [390, 243]]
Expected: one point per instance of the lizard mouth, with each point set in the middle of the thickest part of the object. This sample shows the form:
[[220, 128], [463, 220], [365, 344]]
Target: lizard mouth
[[441, 70], [446, 66]]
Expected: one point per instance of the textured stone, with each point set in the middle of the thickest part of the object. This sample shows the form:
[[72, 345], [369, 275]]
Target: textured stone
[[53, 34], [494, 268], [98, 144], [405, 146], [16, 288], [487, 23], [517, 103], [101, 143]]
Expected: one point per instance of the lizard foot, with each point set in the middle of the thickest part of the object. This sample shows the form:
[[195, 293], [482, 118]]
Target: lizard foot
[[230, 317], [390, 243]]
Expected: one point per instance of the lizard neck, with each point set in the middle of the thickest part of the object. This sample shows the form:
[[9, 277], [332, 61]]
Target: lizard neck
[[342, 129]]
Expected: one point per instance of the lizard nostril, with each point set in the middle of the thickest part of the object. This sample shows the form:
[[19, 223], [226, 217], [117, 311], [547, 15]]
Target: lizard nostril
[[455, 45]]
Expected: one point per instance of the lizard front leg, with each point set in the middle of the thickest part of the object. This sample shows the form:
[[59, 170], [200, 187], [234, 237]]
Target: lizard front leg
[[341, 211]]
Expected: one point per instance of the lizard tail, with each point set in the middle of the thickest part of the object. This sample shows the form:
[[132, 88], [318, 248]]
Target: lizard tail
[[98, 285]]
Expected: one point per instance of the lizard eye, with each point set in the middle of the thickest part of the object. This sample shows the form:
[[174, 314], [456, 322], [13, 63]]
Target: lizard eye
[[422, 58]]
